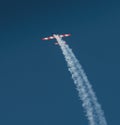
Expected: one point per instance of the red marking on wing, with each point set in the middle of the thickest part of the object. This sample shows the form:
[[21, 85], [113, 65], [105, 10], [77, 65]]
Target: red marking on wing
[[65, 35], [48, 38]]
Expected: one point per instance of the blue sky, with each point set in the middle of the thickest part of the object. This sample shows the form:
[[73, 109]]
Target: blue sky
[[35, 85]]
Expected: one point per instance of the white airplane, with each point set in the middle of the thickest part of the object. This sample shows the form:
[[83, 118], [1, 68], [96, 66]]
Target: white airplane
[[53, 37]]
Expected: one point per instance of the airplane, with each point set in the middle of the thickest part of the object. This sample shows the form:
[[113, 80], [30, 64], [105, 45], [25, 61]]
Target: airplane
[[53, 37]]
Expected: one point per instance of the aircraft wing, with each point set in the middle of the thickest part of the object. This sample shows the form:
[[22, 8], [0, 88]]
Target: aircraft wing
[[52, 37]]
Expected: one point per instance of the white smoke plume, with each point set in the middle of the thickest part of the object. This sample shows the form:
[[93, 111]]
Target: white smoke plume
[[90, 104]]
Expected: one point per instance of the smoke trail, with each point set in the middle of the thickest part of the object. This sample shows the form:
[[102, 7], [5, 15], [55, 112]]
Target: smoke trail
[[92, 108]]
